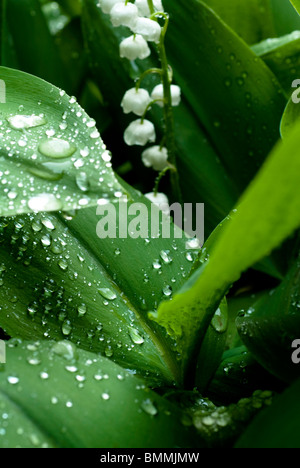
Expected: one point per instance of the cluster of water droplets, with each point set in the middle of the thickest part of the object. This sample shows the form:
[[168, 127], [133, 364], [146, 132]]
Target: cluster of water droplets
[[54, 159], [67, 293], [80, 374], [218, 424]]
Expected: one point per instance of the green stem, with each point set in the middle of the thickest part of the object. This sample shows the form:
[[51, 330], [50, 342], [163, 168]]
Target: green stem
[[151, 6], [146, 73], [149, 106], [168, 111]]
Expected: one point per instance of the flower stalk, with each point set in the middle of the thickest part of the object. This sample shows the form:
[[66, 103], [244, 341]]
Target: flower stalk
[[144, 18]]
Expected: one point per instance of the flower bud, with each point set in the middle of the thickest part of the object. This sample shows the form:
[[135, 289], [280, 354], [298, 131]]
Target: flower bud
[[107, 5], [124, 14], [149, 29], [134, 47], [140, 133], [144, 8], [155, 157], [160, 200], [158, 93], [136, 101]]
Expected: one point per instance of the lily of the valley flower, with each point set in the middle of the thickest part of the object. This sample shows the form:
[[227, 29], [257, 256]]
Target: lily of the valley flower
[[160, 200], [136, 101], [134, 47], [155, 157], [124, 14], [107, 5], [140, 132], [148, 28], [158, 93], [144, 8]]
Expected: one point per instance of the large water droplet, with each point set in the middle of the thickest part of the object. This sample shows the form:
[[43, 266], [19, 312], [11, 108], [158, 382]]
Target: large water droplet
[[107, 293], [149, 408], [135, 336], [44, 202], [66, 349], [219, 321], [22, 122], [83, 182], [56, 148]]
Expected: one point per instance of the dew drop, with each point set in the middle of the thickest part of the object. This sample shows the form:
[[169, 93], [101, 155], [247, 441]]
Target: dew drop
[[165, 256], [22, 122], [149, 408], [63, 265], [65, 349], [107, 294], [135, 336], [81, 310], [44, 202], [83, 182], [66, 327], [13, 380], [167, 290], [56, 148]]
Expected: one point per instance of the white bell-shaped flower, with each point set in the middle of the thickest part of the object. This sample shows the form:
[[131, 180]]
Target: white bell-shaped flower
[[124, 14], [158, 93], [148, 28], [140, 132], [160, 200], [134, 47], [144, 8], [107, 5], [136, 101], [155, 157]]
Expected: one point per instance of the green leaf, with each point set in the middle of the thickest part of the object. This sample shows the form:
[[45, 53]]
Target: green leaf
[[52, 156], [44, 60], [212, 348], [59, 279], [286, 19], [270, 326], [268, 212], [291, 114], [251, 20], [277, 426], [282, 56], [238, 376], [241, 117], [55, 395], [296, 5], [203, 178]]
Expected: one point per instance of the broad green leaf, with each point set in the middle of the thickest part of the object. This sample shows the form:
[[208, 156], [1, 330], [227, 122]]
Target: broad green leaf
[[291, 114], [219, 76], [26, 19], [268, 212], [52, 156], [202, 176], [220, 426], [277, 426], [271, 325], [251, 20], [296, 5], [238, 376], [54, 395], [59, 279], [286, 19], [282, 55]]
